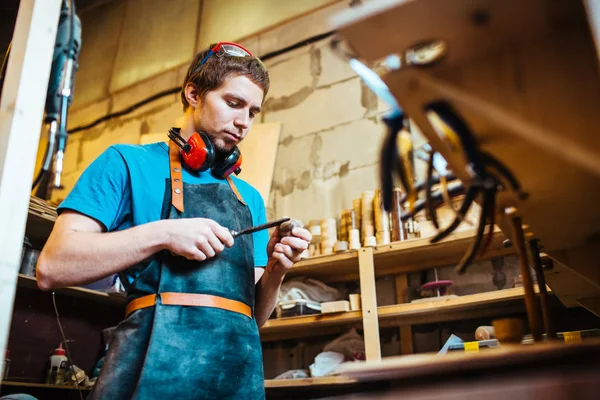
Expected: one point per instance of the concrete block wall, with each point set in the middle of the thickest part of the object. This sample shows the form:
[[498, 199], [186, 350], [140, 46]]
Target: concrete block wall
[[328, 152]]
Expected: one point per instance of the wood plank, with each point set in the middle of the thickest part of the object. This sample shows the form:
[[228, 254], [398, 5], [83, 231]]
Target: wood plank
[[80, 292], [368, 297], [449, 306], [21, 114], [259, 151], [311, 382], [406, 336], [38, 385], [420, 365], [464, 307]]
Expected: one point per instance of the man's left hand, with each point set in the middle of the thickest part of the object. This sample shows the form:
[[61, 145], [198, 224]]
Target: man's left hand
[[284, 252]]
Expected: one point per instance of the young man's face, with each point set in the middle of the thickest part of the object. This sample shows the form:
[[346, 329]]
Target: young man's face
[[226, 114]]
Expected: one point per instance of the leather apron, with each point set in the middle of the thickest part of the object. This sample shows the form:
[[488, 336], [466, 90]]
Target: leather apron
[[190, 352]]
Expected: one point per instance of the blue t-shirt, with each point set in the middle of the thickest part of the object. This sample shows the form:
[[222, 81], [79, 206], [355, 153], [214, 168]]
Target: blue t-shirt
[[125, 187]]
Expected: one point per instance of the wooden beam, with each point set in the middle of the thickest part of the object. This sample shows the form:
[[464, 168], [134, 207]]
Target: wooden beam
[[406, 336], [21, 112], [369, 303]]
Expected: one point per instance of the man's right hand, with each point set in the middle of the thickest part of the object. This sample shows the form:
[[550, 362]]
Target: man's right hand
[[196, 238]]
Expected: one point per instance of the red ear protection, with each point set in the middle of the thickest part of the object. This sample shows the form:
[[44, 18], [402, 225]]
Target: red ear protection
[[199, 154]]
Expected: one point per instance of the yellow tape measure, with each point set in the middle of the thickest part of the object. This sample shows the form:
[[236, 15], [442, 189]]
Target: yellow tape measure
[[471, 347], [572, 337]]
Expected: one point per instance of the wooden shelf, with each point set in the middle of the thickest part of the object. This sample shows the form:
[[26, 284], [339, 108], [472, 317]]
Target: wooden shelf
[[310, 382], [398, 257], [505, 301], [94, 295], [38, 385]]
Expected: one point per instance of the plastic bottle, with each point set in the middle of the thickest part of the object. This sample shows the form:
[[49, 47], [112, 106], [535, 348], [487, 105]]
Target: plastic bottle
[[58, 367], [6, 364]]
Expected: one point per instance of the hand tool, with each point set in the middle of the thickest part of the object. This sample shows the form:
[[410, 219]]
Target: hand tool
[[258, 227]]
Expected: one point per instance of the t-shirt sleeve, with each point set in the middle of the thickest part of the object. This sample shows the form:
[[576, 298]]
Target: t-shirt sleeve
[[102, 192], [261, 238]]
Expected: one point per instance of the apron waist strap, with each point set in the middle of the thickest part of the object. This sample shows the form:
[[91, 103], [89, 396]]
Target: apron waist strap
[[189, 299]]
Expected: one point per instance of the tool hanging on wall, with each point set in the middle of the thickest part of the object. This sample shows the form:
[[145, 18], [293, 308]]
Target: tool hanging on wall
[[60, 95], [487, 175]]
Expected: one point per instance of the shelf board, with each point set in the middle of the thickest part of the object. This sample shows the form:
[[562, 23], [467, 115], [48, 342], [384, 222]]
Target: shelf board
[[398, 257], [310, 382], [38, 385], [470, 306], [94, 295]]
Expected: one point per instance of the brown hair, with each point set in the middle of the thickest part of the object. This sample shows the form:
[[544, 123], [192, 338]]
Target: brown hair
[[217, 69]]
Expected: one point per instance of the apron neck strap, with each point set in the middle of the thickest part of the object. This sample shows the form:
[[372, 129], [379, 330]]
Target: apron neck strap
[[177, 180], [235, 190]]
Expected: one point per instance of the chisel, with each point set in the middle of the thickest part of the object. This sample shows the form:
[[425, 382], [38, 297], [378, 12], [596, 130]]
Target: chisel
[[258, 227]]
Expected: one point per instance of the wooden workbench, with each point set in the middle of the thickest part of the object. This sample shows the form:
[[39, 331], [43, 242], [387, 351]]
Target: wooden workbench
[[552, 370]]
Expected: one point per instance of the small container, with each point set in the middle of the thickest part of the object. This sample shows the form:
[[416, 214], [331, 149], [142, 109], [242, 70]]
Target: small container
[[58, 367], [355, 303]]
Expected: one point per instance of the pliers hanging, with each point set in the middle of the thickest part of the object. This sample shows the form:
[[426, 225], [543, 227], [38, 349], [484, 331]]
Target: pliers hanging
[[489, 175]]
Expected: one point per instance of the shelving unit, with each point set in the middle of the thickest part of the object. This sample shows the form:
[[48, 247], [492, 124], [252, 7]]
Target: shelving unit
[[95, 295], [399, 258]]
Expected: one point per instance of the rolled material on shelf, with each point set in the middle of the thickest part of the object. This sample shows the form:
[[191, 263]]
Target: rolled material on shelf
[[346, 222], [366, 208], [398, 230], [383, 237], [356, 207], [354, 239], [382, 219], [328, 235]]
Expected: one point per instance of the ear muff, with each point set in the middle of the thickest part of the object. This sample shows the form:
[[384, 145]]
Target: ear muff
[[222, 168], [200, 155]]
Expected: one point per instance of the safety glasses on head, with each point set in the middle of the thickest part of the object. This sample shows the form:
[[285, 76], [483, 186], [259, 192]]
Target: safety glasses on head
[[226, 48]]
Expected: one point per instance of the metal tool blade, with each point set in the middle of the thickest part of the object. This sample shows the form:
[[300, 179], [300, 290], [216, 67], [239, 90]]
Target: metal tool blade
[[259, 227]]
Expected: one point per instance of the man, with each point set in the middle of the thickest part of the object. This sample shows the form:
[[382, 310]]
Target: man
[[196, 295]]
